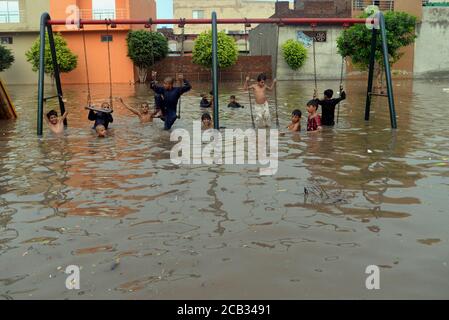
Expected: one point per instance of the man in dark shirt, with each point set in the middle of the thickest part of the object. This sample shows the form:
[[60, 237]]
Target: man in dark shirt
[[170, 96], [328, 106]]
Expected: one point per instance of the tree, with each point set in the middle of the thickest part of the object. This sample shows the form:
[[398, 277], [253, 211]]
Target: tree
[[145, 48], [355, 42], [67, 60], [6, 58], [227, 50], [294, 54]]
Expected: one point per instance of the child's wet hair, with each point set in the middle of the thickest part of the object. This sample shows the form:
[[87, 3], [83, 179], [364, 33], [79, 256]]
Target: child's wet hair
[[100, 126], [313, 103], [205, 116], [329, 93], [261, 77], [297, 113], [52, 113], [169, 80]]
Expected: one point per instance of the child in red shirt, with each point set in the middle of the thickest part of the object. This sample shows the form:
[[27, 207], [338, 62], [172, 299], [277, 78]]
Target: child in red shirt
[[314, 119]]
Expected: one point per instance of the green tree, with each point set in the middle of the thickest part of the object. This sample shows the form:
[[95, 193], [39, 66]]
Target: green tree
[[6, 58], [145, 48], [294, 54], [67, 60], [227, 50], [355, 42]]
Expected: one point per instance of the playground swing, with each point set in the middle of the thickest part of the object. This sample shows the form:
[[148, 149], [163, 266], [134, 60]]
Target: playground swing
[[46, 29], [343, 60], [90, 104]]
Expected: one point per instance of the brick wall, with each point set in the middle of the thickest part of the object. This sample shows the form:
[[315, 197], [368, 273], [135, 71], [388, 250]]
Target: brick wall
[[246, 65], [314, 9]]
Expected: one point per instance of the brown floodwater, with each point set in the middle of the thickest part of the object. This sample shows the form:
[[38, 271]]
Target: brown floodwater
[[141, 227]]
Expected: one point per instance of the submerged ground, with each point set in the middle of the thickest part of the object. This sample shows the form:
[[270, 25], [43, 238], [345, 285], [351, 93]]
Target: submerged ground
[[142, 227]]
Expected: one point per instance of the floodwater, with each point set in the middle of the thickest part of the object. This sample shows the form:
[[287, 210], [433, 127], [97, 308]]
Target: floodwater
[[140, 227]]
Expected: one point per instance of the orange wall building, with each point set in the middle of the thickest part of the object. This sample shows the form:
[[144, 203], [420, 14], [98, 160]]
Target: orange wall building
[[97, 37]]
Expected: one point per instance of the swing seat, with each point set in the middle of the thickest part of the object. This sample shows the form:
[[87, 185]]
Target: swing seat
[[94, 108]]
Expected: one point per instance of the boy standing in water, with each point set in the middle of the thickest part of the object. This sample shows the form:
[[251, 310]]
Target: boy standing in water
[[204, 102], [328, 106], [234, 104], [55, 124], [295, 126], [144, 113], [206, 121], [314, 119], [170, 96], [262, 108]]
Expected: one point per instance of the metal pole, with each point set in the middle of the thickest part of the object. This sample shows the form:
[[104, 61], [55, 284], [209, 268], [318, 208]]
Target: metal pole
[[371, 73], [40, 93], [215, 68], [51, 41], [285, 21], [383, 33]]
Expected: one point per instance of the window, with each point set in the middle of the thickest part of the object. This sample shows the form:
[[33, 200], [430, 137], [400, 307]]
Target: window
[[6, 40], [106, 38], [198, 14], [103, 9], [9, 12]]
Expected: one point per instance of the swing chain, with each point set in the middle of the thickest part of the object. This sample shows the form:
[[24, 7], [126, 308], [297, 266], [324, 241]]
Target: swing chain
[[89, 96], [109, 21], [275, 75], [315, 92]]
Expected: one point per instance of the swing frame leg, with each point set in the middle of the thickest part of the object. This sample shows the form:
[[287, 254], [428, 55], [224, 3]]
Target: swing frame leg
[[215, 69], [44, 26], [369, 93]]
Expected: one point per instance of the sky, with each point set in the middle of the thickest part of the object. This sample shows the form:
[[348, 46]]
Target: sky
[[164, 9]]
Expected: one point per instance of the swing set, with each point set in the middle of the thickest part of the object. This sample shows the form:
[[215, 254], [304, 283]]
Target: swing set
[[46, 24], [89, 104]]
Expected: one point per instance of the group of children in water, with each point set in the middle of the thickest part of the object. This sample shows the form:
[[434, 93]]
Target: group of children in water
[[167, 97]]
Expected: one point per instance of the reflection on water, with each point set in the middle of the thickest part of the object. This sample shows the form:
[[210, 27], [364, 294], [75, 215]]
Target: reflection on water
[[141, 227]]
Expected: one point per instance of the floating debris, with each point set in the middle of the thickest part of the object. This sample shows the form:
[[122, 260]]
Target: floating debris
[[429, 242]]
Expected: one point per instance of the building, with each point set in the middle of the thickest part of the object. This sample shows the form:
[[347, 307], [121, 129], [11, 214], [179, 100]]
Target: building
[[97, 38], [199, 9], [329, 62], [314, 9], [19, 28]]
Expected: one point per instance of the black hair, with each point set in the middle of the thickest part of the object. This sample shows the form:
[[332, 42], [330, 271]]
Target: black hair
[[313, 103], [232, 97], [211, 92], [261, 77], [205, 116], [297, 113], [329, 93], [52, 113]]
